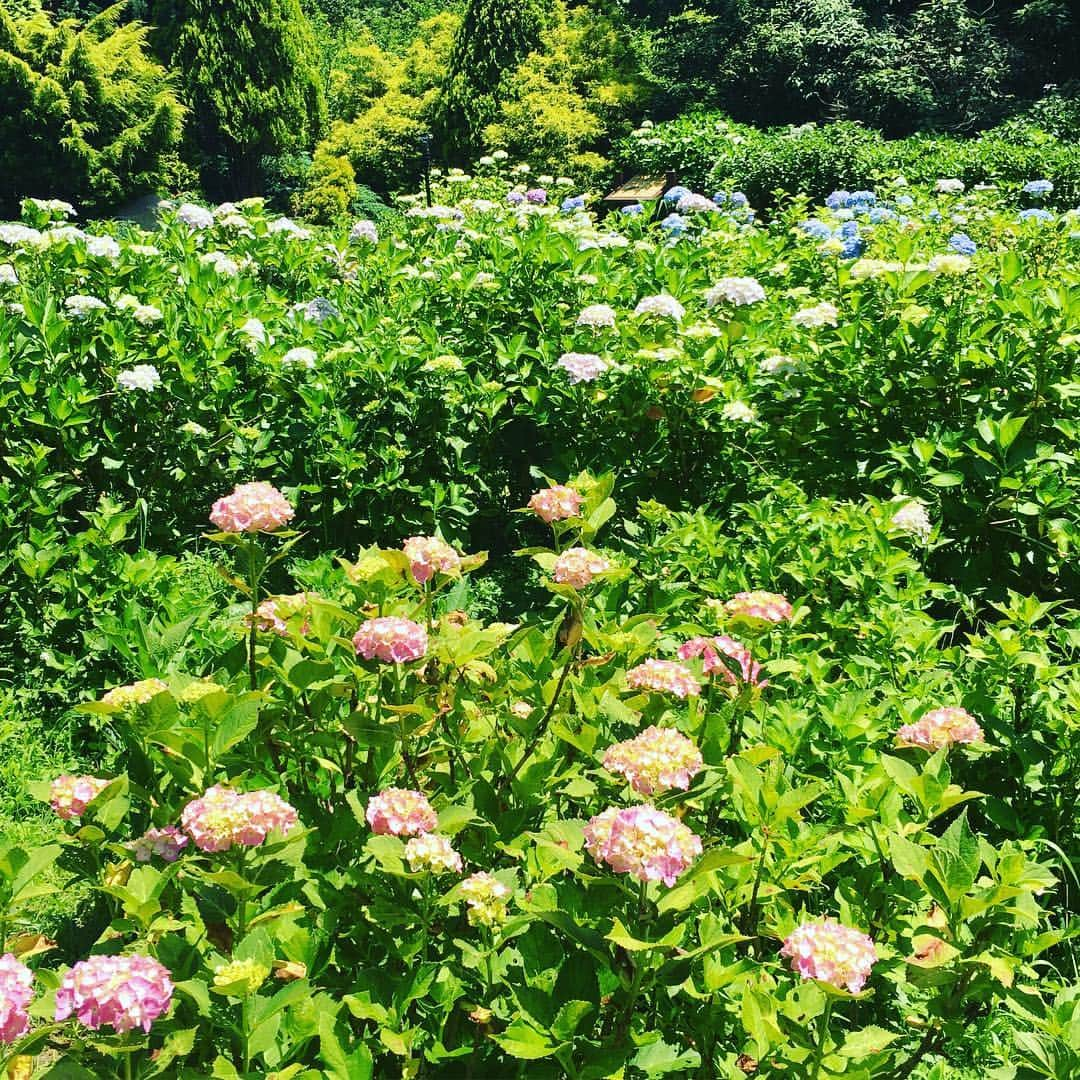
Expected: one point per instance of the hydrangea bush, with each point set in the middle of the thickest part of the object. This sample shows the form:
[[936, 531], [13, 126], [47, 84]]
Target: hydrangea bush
[[744, 789]]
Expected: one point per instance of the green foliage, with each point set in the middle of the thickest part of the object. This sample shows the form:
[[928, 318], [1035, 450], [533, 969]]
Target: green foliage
[[248, 78], [494, 37], [711, 151], [938, 64], [569, 96], [330, 190], [87, 114], [385, 104]]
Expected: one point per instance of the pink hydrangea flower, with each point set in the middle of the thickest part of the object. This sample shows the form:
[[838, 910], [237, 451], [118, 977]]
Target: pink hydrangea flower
[[429, 555], [556, 503], [709, 649], [401, 812], [758, 608], [121, 992], [433, 853], [224, 817], [832, 953], [251, 508], [582, 367], [392, 639], [165, 843], [655, 761], [70, 795], [664, 677], [642, 841], [941, 728], [578, 566], [16, 991], [486, 897], [272, 614]]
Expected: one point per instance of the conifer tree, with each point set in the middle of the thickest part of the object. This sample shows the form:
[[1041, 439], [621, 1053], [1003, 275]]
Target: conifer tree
[[252, 84], [494, 37], [85, 114]]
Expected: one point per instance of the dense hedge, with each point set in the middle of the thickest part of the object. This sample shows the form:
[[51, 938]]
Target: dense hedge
[[710, 151]]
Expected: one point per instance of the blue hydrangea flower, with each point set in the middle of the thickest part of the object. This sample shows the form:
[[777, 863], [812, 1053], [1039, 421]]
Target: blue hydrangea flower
[[862, 198], [934, 215], [632, 210], [738, 199], [962, 244], [837, 199], [1038, 187], [674, 224], [879, 214], [673, 195], [848, 230], [1036, 213], [572, 203], [815, 228], [853, 248], [719, 198], [904, 200]]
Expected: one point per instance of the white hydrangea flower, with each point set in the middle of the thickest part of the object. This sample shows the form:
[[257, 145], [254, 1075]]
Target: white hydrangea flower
[[950, 264], [8, 275], [948, 186], [301, 355], [778, 365], [597, 316], [15, 234], [737, 291], [694, 203], [912, 518], [103, 247], [740, 411], [80, 306], [194, 217], [140, 377], [364, 230], [221, 263], [662, 305], [823, 314], [287, 225], [147, 314], [582, 367]]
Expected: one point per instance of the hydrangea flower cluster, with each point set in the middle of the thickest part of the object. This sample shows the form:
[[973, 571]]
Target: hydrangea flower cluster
[[138, 693], [242, 977], [251, 508], [121, 992], [664, 677], [582, 367], [486, 897], [655, 761], [69, 796], [16, 992], [194, 217], [140, 377], [165, 843], [271, 615], [642, 841], [949, 186], [432, 853], [709, 649], [401, 812], [391, 639], [758, 608], [578, 566], [951, 265], [429, 555], [737, 291], [364, 230], [301, 356], [823, 314], [597, 316], [662, 305], [556, 503], [81, 306], [911, 517], [832, 953], [941, 728], [223, 818]]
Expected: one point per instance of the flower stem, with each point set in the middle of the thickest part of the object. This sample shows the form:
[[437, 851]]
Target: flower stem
[[823, 1037], [253, 583]]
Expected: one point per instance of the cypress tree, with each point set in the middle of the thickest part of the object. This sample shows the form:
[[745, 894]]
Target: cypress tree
[[494, 37], [252, 84]]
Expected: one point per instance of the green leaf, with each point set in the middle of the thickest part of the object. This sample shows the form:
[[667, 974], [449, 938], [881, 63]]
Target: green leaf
[[520, 1040]]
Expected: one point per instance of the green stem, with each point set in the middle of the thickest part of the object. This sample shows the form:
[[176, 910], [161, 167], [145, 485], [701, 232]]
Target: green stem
[[253, 583], [823, 1036], [245, 1032]]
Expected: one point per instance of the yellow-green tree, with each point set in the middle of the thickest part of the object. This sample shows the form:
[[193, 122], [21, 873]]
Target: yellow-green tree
[[85, 114]]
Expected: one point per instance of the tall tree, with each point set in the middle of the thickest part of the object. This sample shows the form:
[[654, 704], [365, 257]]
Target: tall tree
[[495, 35], [85, 114], [251, 81]]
